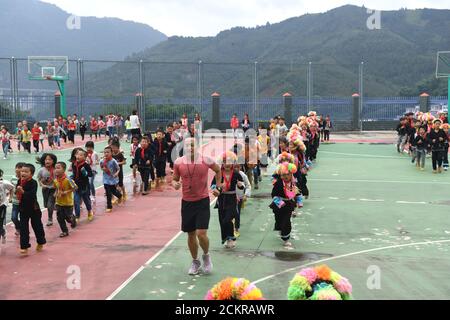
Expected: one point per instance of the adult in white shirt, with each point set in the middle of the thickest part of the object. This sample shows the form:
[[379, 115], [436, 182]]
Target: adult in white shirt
[[135, 124]]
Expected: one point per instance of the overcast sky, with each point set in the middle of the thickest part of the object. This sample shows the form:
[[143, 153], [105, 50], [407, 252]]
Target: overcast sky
[[209, 17]]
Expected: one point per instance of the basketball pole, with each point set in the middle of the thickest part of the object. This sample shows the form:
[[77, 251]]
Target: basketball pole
[[448, 93], [63, 98]]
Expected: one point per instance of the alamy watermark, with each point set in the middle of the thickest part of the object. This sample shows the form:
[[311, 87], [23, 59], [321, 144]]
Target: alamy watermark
[[73, 282], [374, 20], [374, 280], [73, 22]]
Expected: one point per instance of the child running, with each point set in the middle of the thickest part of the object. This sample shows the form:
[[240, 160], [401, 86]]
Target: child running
[[226, 198], [121, 160], [111, 170], [160, 149], [285, 198], [93, 161], [5, 138], [29, 209], [437, 139], [81, 173], [143, 163], [64, 199], [46, 177]]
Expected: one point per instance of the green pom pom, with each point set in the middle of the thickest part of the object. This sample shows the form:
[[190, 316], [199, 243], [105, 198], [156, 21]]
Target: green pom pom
[[296, 293]]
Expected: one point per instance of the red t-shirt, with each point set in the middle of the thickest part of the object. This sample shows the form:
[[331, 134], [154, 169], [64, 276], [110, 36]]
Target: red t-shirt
[[36, 133], [94, 125], [194, 177], [72, 126]]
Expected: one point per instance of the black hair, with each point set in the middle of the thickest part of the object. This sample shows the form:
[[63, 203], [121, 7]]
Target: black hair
[[62, 164], [284, 140], [115, 143], [169, 126], [89, 144], [146, 138], [108, 148], [41, 160], [30, 166], [136, 137], [1, 173], [19, 165], [72, 155], [134, 112], [160, 130]]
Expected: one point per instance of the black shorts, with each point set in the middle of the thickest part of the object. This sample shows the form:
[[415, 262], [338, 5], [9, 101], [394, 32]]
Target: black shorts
[[195, 215]]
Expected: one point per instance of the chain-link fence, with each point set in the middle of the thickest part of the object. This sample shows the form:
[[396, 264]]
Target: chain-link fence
[[163, 91]]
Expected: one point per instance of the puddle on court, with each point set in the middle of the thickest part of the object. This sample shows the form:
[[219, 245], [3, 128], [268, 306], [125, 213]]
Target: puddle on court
[[294, 255]]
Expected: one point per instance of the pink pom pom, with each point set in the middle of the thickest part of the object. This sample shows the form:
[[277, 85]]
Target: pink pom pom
[[344, 286], [209, 296], [310, 274]]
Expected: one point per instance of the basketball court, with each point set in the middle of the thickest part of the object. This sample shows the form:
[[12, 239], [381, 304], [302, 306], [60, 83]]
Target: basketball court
[[370, 213]]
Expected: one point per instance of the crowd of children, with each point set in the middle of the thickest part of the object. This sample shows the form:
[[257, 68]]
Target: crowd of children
[[421, 134], [65, 188]]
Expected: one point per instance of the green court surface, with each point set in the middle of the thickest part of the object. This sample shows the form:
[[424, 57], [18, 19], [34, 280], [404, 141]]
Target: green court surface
[[63, 155], [372, 217]]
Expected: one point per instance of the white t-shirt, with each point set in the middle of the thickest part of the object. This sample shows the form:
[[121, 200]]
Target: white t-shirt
[[5, 189], [134, 120], [92, 160]]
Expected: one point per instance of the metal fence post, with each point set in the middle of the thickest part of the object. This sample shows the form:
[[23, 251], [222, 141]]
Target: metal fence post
[[79, 83], [141, 110], [255, 95], [309, 85], [361, 94], [200, 86]]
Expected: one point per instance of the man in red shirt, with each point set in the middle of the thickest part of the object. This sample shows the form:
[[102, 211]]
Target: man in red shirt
[[193, 169], [36, 132]]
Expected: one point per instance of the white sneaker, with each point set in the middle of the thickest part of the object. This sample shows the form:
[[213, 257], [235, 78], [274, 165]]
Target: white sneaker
[[287, 244], [230, 244], [195, 267], [207, 264]]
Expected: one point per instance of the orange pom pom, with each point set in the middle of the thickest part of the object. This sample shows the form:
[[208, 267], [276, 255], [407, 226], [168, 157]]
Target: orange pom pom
[[323, 272]]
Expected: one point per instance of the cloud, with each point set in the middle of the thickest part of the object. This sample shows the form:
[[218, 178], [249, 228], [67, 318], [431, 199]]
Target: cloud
[[208, 17]]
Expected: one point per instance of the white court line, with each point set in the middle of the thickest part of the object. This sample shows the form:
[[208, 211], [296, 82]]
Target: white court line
[[380, 181], [410, 202], [363, 155], [348, 255], [134, 275]]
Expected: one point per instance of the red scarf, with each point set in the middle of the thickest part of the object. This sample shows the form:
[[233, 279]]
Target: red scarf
[[143, 153], [60, 180], [78, 168], [105, 166], [160, 148], [90, 154], [22, 183], [227, 182]]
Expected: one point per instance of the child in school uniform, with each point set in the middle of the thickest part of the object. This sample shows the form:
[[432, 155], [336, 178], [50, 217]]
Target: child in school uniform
[[15, 201], [143, 162], [134, 146], [121, 160], [226, 198], [93, 160], [65, 188], [29, 210], [26, 138], [421, 145], [171, 142], [437, 139], [82, 171], [111, 170], [45, 177], [160, 150], [285, 198], [242, 196], [72, 129], [6, 190]]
